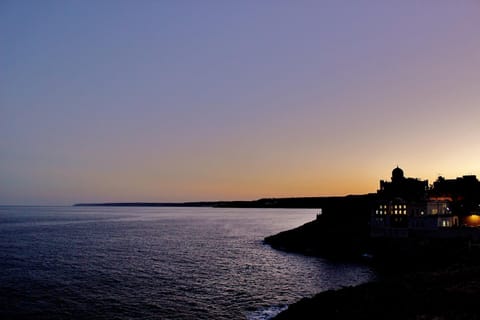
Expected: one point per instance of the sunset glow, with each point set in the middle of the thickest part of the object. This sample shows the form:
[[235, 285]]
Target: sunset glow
[[210, 100]]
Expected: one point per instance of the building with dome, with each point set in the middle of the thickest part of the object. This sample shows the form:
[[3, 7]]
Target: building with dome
[[408, 189], [405, 205]]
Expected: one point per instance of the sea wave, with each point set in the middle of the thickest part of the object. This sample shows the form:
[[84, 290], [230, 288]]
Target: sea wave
[[266, 313]]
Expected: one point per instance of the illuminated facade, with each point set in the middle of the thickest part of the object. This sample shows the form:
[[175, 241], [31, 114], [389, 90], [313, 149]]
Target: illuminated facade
[[472, 220], [464, 192], [404, 206]]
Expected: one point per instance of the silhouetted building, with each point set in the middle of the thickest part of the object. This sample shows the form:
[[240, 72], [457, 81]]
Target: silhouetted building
[[406, 205], [463, 192], [461, 188], [408, 189]]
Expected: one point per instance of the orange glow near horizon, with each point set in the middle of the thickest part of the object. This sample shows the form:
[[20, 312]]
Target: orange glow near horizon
[[207, 102]]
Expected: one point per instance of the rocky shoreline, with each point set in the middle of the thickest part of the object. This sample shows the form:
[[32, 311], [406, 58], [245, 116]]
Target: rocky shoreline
[[424, 239], [420, 278], [447, 293]]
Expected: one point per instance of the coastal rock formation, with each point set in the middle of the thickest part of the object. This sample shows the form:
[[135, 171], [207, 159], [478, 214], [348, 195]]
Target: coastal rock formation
[[451, 293], [341, 231]]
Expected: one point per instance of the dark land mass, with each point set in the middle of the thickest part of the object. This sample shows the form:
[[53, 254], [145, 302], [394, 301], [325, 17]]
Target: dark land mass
[[420, 277], [299, 202], [449, 292], [341, 231]]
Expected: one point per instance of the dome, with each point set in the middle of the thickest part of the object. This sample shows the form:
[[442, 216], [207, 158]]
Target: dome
[[397, 174]]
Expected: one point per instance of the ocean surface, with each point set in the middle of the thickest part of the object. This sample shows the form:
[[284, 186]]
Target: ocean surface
[[156, 263]]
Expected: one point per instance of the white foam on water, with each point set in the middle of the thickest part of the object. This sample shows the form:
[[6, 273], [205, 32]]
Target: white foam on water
[[266, 313]]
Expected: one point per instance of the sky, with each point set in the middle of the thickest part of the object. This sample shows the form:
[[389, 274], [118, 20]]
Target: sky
[[233, 100]]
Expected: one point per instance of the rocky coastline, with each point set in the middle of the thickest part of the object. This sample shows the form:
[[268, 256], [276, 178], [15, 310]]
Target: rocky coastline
[[424, 240], [420, 278], [446, 293]]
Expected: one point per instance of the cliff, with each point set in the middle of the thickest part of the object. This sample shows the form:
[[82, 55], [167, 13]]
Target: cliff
[[421, 277], [448, 293], [341, 231]]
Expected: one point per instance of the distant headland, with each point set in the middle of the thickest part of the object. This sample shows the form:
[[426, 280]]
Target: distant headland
[[287, 203]]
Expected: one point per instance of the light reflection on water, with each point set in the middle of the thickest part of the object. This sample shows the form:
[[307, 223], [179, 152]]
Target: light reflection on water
[[155, 263]]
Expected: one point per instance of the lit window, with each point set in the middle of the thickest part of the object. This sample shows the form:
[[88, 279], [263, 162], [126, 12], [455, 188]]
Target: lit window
[[404, 211], [404, 206]]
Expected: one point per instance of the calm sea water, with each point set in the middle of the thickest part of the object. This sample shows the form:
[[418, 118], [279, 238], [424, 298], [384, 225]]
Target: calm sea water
[[155, 263]]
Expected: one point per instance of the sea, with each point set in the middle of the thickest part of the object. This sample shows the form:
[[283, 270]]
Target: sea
[[156, 263]]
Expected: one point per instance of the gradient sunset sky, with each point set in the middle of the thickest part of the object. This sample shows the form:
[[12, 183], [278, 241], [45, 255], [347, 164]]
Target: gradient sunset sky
[[212, 100]]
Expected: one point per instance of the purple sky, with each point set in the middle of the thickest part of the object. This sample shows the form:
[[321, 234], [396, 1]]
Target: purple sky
[[209, 100]]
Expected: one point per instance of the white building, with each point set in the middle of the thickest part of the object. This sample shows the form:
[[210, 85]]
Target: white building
[[396, 218]]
